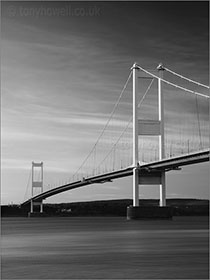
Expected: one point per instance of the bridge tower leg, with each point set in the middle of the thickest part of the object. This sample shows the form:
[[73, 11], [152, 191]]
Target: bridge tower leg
[[36, 183], [160, 68], [135, 138], [32, 206]]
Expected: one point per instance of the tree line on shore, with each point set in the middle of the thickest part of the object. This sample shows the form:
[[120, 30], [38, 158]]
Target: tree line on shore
[[180, 207]]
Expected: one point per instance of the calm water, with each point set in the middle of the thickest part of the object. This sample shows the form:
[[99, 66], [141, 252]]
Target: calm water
[[104, 248]]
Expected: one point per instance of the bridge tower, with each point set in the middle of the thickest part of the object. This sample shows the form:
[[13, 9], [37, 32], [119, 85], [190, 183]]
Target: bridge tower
[[37, 183], [149, 128]]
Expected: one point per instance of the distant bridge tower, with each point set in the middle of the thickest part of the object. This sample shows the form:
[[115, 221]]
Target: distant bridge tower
[[37, 183]]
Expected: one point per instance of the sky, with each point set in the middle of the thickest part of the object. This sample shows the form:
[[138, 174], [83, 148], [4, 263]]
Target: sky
[[63, 67]]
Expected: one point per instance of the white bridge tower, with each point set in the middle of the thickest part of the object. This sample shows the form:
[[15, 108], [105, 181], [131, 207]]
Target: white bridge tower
[[37, 183], [148, 128]]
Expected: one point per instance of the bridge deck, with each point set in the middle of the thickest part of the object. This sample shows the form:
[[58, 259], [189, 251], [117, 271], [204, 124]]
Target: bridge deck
[[163, 165]]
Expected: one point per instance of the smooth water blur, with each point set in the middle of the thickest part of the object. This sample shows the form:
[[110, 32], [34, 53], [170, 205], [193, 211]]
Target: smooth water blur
[[104, 248]]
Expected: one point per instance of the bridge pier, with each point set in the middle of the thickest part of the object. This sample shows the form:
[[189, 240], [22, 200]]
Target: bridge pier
[[41, 207], [148, 212], [32, 207], [151, 177], [35, 203], [163, 190]]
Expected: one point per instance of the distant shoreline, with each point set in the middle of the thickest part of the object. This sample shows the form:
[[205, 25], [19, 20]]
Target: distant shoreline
[[180, 207]]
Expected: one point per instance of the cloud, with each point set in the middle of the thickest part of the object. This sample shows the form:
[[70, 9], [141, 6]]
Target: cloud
[[25, 136], [87, 119], [15, 164]]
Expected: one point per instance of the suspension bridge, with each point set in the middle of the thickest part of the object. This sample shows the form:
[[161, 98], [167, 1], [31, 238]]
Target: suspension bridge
[[160, 122]]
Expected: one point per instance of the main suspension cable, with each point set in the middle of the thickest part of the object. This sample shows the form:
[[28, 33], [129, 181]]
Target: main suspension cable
[[185, 78], [167, 82]]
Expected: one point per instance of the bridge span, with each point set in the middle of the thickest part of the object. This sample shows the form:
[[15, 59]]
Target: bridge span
[[116, 150], [164, 165]]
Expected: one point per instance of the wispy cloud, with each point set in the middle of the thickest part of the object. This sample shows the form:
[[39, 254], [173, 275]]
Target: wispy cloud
[[24, 136], [15, 164]]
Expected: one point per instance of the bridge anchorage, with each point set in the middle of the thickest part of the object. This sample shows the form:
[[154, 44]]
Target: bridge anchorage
[[150, 173]]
